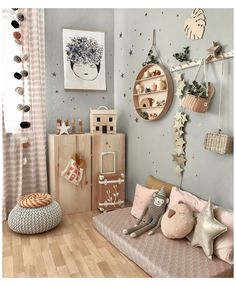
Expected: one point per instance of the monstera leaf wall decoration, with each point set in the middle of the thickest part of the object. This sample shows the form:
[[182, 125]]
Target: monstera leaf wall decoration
[[194, 27]]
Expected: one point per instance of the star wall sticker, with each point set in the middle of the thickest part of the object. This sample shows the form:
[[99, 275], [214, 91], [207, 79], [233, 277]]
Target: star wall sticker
[[181, 160], [178, 77], [121, 35], [131, 52], [214, 50]]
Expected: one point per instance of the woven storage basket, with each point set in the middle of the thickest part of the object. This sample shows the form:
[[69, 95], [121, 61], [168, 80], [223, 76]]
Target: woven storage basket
[[219, 143], [198, 104]]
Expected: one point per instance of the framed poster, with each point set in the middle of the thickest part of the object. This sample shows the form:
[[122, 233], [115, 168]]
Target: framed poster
[[84, 59]]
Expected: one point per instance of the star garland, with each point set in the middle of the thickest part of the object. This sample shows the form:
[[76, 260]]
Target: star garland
[[179, 128], [180, 143]]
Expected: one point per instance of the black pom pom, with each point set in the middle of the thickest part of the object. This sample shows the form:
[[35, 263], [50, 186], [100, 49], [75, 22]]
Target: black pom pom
[[20, 17], [17, 59], [15, 24], [26, 108], [25, 124], [24, 73], [14, 9], [17, 75]]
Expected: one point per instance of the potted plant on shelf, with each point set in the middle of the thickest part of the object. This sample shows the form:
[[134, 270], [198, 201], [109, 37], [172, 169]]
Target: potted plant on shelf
[[198, 97]]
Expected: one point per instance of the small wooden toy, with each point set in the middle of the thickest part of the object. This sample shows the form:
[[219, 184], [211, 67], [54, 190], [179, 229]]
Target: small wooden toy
[[80, 131], [73, 126], [102, 120]]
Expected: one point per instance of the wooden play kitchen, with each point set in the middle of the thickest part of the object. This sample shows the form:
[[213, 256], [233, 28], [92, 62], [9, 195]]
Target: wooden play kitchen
[[90, 147], [153, 92]]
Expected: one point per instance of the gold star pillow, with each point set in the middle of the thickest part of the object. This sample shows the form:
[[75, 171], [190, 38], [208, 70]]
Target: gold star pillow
[[206, 230]]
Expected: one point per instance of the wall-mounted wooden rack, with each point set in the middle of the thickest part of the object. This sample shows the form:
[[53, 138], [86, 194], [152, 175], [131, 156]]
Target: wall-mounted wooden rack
[[194, 63]]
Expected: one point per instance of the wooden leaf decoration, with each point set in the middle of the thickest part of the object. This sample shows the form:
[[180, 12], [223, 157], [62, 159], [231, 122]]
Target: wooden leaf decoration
[[194, 27]]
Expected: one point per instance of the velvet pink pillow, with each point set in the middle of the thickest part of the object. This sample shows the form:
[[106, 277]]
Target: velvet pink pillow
[[142, 198], [223, 244]]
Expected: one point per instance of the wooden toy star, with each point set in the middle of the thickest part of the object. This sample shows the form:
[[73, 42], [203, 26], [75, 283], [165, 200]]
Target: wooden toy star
[[179, 150], [184, 118], [178, 116], [178, 125], [180, 142], [181, 84], [179, 92], [214, 50], [179, 170], [178, 77], [63, 128]]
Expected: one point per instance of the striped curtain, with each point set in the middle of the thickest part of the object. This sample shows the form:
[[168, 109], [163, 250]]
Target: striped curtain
[[25, 168]]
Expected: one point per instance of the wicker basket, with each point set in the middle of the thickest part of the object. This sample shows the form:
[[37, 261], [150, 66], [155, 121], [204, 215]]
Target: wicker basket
[[219, 143], [198, 104]]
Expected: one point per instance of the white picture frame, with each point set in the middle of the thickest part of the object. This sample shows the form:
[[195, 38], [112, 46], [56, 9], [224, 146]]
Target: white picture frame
[[84, 59], [110, 155]]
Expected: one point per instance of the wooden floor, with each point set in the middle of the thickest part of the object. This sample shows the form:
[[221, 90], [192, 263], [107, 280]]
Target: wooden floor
[[73, 249]]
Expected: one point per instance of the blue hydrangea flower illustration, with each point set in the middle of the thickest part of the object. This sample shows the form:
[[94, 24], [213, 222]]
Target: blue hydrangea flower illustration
[[85, 56]]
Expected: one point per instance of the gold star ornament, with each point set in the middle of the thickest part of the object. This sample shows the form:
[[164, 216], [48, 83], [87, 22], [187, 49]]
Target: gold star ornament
[[206, 230]]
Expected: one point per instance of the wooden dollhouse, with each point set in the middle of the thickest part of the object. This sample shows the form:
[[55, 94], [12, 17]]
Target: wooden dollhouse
[[102, 120]]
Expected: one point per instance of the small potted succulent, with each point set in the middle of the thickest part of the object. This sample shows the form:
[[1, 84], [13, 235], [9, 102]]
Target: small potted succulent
[[197, 98]]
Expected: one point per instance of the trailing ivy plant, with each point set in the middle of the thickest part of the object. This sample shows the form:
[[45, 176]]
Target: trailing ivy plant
[[184, 56], [151, 59], [197, 89]]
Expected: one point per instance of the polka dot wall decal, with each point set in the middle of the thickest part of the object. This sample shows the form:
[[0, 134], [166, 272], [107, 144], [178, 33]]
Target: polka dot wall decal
[[124, 94], [135, 30], [103, 97], [57, 64], [54, 74], [148, 39], [131, 52], [177, 15], [140, 34], [136, 119], [121, 35], [162, 12], [56, 91], [130, 88], [170, 44], [145, 14], [122, 75]]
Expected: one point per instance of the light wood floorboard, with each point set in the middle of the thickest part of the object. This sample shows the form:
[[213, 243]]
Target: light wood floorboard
[[73, 249]]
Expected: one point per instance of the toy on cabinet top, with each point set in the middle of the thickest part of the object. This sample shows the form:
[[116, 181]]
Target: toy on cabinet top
[[153, 91], [102, 120]]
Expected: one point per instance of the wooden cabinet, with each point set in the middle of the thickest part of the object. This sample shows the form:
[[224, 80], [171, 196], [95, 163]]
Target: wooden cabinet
[[75, 199], [61, 148]]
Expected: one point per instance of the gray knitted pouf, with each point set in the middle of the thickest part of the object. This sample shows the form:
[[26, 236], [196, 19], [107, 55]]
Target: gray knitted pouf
[[34, 220]]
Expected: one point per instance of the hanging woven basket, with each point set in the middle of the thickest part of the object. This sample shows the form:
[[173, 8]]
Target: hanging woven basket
[[198, 104], [219, 143]]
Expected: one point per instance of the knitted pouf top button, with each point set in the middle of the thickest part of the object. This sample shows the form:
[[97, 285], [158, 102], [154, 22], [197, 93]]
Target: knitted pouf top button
[[17, 75]]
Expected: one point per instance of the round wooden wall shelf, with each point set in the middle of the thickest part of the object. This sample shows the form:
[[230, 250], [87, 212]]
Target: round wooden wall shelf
[[153, 92]]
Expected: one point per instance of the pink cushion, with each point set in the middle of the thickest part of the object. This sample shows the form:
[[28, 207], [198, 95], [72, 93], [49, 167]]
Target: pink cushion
[[142, 198], [223, 244]]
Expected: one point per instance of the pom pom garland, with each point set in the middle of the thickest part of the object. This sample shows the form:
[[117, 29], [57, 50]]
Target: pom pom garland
[[19, 90]]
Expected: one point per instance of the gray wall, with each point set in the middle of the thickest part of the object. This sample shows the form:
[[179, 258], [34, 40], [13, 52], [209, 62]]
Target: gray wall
[[62, 103], [150, 144]]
